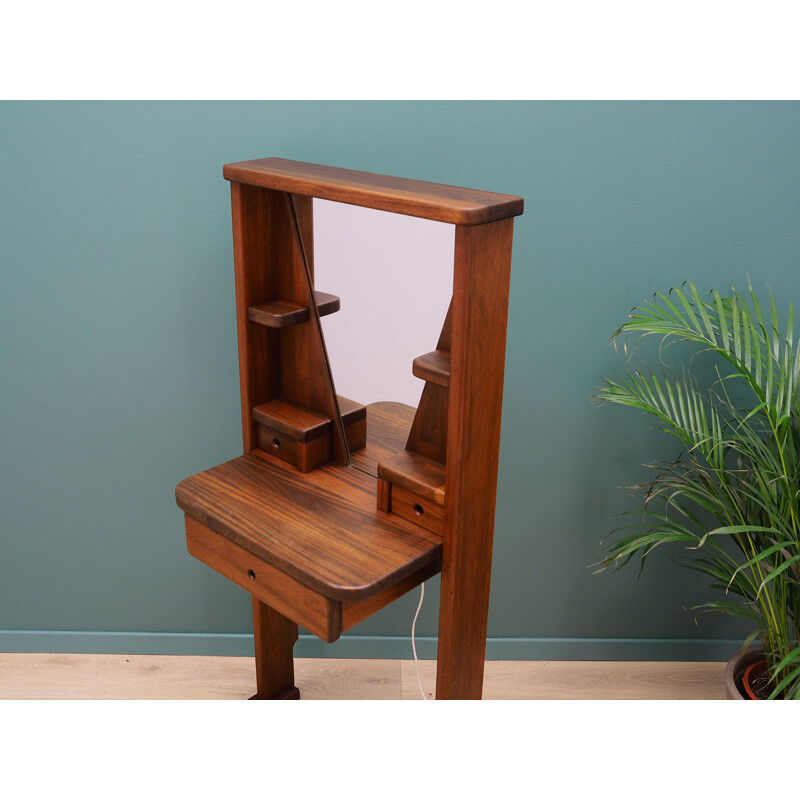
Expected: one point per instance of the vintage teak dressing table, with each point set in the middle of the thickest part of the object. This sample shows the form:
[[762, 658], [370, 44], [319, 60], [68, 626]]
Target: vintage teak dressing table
[[299, 521]]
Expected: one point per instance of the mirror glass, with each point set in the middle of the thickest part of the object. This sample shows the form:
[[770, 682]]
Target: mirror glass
[[394, 277]]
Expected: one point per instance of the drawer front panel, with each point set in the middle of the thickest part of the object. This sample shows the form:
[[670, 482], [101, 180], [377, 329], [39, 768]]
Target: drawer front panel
[[320, 615], [417, 509]]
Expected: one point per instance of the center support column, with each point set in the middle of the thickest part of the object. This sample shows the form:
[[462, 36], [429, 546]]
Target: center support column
[[275, 636]]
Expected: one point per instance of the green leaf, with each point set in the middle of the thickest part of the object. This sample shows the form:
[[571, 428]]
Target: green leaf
[[723, 324], [777, 571], [794, 692], [726, 607], [761, 556]]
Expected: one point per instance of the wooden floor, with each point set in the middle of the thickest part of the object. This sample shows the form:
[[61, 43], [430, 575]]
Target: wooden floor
[[139, 677]]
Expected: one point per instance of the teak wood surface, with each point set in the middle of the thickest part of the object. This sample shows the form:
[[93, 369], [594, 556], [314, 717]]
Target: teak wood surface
[[432, 201], [480, 303], [275, 636], [322, 528], [282, 314], [388, 423], [323, 544], [287, 363], [433, 367]]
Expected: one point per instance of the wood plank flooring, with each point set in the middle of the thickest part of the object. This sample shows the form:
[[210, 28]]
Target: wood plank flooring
[[140, 677]]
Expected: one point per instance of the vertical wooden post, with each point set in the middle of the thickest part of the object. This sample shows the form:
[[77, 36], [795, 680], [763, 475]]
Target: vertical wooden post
[[480, 302], [259, 360], [268, 265], [275, 636]]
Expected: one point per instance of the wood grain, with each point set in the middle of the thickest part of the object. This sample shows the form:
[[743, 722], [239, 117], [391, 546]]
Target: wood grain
[[289, 597], [388, 425], [445, 342], [584, 680], [274, 638], [276, 363], [353, 613], [289, 419], [417, 474], [56, 676], [416, 509], [480, 303], [384, 495], [302, 437], [350, 410], [356, 435], [321, 528], [354, 419], [433, 201], [428, 434], [305, 372], [259, 353], [282, 314], [433, 367], [305, 456]]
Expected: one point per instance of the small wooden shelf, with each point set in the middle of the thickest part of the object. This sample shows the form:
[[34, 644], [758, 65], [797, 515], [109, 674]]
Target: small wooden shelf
[[417, 474], [433, 367], [281, 314]]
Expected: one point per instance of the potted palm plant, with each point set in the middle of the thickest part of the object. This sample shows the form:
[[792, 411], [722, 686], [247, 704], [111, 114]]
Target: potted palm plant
[[732, 497]]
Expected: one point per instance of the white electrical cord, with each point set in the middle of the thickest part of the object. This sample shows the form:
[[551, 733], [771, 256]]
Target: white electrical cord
[[413, 646]]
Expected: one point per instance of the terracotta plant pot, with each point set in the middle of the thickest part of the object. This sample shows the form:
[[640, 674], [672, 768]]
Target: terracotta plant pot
[[735, 669]]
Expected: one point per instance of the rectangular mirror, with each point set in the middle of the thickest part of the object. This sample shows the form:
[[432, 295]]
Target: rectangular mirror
[[394, 276]]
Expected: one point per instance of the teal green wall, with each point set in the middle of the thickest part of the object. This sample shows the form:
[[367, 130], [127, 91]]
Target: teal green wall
[[118, 348]]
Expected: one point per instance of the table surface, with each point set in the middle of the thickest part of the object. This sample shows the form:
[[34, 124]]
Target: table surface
[[323, 527]]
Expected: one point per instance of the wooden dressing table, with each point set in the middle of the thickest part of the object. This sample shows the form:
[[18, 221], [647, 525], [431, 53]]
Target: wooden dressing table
[[337, 509]]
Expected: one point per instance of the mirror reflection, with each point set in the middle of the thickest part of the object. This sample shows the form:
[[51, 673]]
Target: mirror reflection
[[393, 274]]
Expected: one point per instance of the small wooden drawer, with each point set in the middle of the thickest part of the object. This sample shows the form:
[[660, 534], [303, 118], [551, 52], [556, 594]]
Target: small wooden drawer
[[303, 455], [319, 614], [416, 509], [304, 438], [294, 434]]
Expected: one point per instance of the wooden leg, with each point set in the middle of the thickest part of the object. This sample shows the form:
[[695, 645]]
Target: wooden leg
[[482, 259], [463, 617], [275, 636]]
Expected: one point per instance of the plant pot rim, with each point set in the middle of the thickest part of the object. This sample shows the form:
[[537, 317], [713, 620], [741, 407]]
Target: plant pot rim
[[735, 668]]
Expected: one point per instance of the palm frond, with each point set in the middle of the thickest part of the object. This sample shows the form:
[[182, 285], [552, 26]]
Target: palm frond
[[737, 481]]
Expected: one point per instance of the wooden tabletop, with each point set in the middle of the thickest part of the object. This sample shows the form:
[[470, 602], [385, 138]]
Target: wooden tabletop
[[434, 201], [388, 426], [322, 527]]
